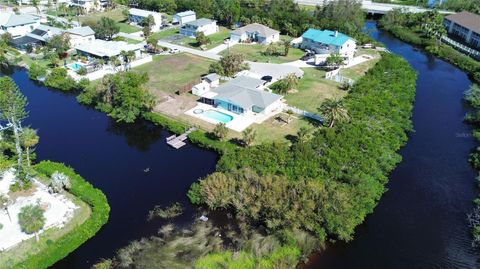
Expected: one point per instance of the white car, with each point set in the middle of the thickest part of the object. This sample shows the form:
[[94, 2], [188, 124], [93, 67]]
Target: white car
[[173, 51]]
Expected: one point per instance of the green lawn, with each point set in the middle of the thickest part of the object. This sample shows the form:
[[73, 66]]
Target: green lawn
[[168, 73], [165, 33], [215, 39], [313, 89], [358, 70], [254, 53], [115, 14], [270, 131], [127, 28]]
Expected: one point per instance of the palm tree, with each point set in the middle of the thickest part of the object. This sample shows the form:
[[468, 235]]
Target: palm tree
[[128, 56], [114, 61], [249, 136], [35, 4], [221, 131], [152, 42], [31, 219], [29, 140], [334, 111], [5, 201], [303, 134]]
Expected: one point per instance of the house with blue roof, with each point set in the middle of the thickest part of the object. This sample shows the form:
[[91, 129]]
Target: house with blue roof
[[328, 42]]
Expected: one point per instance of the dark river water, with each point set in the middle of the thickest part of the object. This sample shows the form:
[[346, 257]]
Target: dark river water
[[113, 158], [419, 223]]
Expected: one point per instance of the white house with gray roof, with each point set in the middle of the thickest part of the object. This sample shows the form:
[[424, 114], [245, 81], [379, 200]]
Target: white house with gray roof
[[204, 25], [18, 25], [255, 32], [183, 17], [244, 95], [80, 35], [136, 16], [105, 49]]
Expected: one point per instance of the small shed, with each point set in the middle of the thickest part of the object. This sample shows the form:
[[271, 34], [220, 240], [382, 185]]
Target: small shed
[[212, 79]]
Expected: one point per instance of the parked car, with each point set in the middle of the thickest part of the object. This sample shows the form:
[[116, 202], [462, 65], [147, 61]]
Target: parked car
[[173, 51]]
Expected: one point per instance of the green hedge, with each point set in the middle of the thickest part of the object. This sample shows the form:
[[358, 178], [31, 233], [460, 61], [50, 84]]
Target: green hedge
[[197, 137], [71, 241]]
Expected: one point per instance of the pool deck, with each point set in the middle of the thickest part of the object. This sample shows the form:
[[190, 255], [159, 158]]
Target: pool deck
[[238, 123]]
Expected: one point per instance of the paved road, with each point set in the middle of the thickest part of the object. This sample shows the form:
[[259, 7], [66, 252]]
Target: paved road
[[200, 53], [136, 36]]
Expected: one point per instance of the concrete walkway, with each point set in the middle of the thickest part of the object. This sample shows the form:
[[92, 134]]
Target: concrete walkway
[[135, 36], [204, 54], [221, 48]]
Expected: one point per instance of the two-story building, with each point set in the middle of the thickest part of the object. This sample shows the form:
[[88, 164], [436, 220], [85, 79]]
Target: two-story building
[[328, 42], [137, 16], [183, 17], [18, 25], [464, 26], [203, 25], [255, 32], [80, 35], [90, 5]]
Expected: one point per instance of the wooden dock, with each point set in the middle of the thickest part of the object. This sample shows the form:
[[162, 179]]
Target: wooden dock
[[179, 141]]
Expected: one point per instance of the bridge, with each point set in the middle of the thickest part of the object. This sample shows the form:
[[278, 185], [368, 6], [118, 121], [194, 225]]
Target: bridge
[[377, 8]]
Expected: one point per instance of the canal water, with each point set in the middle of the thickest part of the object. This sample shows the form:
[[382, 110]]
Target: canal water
[[114, 158], [421, 221]]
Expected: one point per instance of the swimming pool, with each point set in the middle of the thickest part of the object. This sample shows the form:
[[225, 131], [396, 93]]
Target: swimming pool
[[217, 115], [75, 66]]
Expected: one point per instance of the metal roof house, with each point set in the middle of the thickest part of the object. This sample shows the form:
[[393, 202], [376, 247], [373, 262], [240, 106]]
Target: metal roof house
[[242, 96], [466, 26], [327, 42], [18, 25], [184, 17], [37, 37], [105, 49], [136, 16], [255, 32], [204, 25], [80, 35]]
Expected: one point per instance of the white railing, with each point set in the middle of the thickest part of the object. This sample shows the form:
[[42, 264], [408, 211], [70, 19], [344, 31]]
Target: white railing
[[461, 47]]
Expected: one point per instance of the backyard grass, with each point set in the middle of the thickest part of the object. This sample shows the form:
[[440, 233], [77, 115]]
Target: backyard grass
[[270, 131], [254, 53], [215, 39], [127, 28], [313, 89], [165, 33], [30, 247], [358, 70], [168, 73]]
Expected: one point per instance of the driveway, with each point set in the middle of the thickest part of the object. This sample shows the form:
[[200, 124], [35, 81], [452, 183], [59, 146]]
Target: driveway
[[204, 54], [135, 36], [276, 71]]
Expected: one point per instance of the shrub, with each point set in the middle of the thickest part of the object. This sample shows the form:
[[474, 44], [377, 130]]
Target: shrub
[[35, 71], [82, 71], [60, 80], [99, 216]]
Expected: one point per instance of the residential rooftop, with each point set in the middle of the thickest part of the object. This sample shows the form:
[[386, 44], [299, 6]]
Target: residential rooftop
[[466, 19], [12, 19], [243, 91], [186, 13], [200, 22], [256, 27], [326, 37], [104, 48], [141, 12], [81, 31]]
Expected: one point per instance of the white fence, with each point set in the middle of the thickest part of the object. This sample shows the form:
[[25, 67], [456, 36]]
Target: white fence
[[304, 113], [459, 46]]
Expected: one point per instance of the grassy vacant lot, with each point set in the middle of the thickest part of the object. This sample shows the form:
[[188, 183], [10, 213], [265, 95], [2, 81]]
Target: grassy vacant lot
[[313, 89], [115, 14], [166, 33], [254, 53], [127, 28], [170, 72], [215, 39], [358, 70], [270, 131], [30, 247]]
